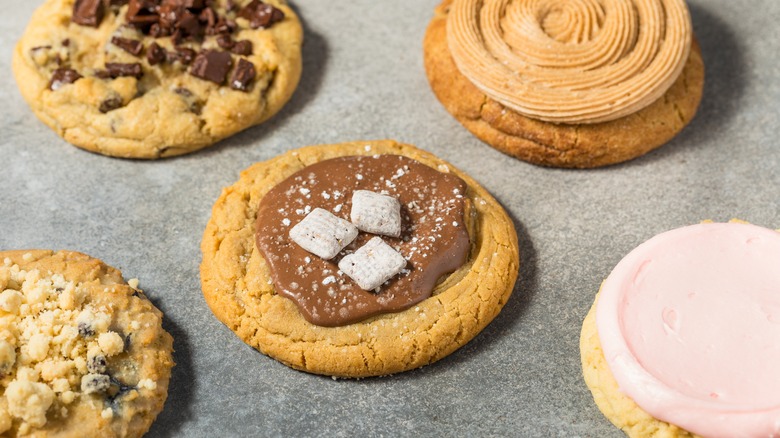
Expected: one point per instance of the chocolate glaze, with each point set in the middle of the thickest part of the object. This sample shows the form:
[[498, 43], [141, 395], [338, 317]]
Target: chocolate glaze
[[434, 239]]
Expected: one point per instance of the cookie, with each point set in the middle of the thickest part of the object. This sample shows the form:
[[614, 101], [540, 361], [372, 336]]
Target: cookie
[[82, 352], [249, 266], [556, 127], [679, 342], [157, 78]]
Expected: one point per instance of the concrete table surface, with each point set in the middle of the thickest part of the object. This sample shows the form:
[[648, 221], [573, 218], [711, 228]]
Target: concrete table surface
[[364, 79]]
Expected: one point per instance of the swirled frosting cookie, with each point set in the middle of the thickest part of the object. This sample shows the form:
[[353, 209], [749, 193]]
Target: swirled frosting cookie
[[82, 353], [357, 259], [157, 78], [566, 84], [683, 339]]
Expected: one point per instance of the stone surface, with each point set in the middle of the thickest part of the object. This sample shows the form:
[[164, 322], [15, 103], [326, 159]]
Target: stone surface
[[363, 79]]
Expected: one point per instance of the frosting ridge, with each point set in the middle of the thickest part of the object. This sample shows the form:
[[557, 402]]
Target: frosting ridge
[[690, 327], [562, 61]]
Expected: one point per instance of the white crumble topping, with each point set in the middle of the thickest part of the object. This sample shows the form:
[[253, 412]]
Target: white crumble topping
[[111, 343], [149, 384], [51, 344], [29, 401]]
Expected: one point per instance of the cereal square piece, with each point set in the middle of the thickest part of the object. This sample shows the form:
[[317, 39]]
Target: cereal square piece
[[373, 264], [323, 234], [375, 213]]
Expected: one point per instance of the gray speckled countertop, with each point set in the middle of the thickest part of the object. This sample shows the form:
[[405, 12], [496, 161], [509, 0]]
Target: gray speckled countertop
[[364, 79]]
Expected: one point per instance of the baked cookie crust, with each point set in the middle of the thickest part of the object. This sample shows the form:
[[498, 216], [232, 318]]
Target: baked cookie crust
[[558, 145], [83, 352], [165, 113], [616, 406], [236, 280]]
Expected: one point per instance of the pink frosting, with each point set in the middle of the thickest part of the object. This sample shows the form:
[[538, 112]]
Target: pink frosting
[[690, 327]]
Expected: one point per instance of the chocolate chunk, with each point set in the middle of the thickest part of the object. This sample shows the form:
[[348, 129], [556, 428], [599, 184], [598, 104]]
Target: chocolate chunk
[[142, 13], [224, 26], [88, 12], [66, 42], [194, 4], [231, 6], [102, 74], [243, 47], [208, 17], [63, 76], [110, 104], [116, 69], [170, 14], [243, 75], [189, 25], [183, 55], [155, 54], [133, 47], [261, 15], [225, 42], [212, 65]]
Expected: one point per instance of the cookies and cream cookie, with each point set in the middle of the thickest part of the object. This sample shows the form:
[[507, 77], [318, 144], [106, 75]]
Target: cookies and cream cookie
[[683, 337], [82, 352], [157, 78], [566, 84], [357, 259]]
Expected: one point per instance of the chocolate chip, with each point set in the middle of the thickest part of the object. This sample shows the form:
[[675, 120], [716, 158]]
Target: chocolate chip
[[182, 92], [183, 55], [189, 25], [66, 42], [261, 15], [131, 46], [63, 76], [212, 65], [225, 42], [110, 104], [155, 54], [88, 12], [97, 364], [208, 17], [116, 69], [142, 13], [194, 4], [243, 75], [231, 6], [225, 26], [243, 47], [169, 15], [86, 330], [102, 74]]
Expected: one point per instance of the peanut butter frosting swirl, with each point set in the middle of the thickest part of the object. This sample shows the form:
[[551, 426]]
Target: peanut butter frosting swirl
[[571, 61]]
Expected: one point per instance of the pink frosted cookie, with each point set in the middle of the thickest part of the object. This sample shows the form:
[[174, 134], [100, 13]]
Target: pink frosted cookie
[[684, 338]]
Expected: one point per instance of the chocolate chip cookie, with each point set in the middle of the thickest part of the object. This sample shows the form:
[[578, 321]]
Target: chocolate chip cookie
[[157, 78], [82, 352], [304, 265]]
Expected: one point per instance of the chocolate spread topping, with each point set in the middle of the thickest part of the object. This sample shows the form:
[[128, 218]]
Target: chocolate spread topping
[[434, 239]]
